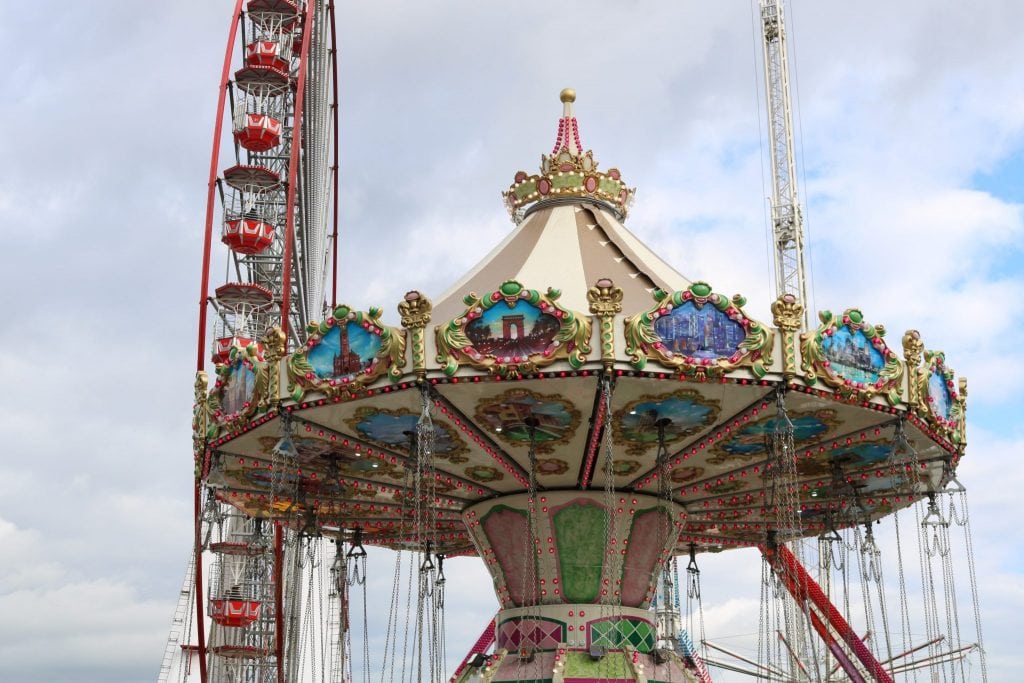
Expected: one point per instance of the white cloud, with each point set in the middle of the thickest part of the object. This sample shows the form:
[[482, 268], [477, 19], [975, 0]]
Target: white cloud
[[901, 106]]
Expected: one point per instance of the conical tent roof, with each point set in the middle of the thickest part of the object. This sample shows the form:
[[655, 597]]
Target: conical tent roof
[[571, 246], [570, 234]]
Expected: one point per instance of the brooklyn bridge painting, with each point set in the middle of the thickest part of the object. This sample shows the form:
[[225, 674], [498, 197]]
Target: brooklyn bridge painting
[[521, 330]]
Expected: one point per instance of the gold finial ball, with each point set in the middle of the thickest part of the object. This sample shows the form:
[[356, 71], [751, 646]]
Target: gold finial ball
[[568, 95]]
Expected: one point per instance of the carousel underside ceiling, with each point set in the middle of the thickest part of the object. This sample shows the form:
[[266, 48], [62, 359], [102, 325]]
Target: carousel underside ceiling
[[354, 462]]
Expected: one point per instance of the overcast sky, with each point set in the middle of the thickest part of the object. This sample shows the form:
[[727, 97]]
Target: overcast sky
[[911, 145]]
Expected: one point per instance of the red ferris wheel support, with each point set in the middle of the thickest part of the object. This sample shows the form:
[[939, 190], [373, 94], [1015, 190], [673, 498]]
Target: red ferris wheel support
[[211, 187], [264, 71], [293, 171], [204, 294]]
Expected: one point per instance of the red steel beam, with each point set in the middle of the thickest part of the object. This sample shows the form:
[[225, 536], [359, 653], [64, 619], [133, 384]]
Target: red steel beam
[[334, 168], [204, 293], [479, 647], [293, 170], [204, 287], [837, 651], [803, 587]]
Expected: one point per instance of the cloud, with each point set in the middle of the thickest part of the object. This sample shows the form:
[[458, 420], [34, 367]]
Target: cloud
[[102, 210]]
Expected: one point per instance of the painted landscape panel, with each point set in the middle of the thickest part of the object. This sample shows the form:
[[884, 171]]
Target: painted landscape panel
[[852, 356], [344, 351], [554, 418], [396, 431], [517, 332], [750, 439], [704, 332], [238, 389], [686, 415]]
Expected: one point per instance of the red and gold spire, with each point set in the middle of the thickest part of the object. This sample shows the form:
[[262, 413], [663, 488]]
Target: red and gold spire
[[569, 172]]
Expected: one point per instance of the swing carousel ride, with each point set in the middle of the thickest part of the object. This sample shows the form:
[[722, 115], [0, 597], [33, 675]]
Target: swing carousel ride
[[572, 411]]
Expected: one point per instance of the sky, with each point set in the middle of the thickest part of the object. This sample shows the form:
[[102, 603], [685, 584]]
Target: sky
[[910, 133]]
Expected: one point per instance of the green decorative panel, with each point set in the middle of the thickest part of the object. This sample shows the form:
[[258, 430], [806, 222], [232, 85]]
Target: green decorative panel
[[612, 666], [615, 634], [580, 530]]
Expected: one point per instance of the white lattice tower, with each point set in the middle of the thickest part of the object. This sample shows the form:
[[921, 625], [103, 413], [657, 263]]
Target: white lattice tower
[[787, 217]]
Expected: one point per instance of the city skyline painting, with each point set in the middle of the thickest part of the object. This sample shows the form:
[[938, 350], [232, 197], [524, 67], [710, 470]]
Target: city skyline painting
[[851, 355], [704, 332], [345, 350]]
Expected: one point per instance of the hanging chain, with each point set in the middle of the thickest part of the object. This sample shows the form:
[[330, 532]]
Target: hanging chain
[[529, 592], [952, 614], [902, 588], [955, 490], [830, 538], [429, 603], [693, 575], [282, 456], [928, 588], [972, 574], [611, 604], [339, 611], [788, 524], [904, 459], [935, 529], [608, 499]]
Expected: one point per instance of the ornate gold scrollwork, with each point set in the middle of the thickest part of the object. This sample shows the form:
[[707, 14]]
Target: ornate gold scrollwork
[[606, 302]]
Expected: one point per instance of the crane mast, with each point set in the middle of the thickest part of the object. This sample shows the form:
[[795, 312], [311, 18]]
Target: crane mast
[[787, 218]]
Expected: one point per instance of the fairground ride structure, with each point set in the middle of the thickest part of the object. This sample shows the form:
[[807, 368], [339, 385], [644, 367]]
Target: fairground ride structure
[[572, 411]]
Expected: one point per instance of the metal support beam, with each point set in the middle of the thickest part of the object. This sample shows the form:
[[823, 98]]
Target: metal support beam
[[803, 588]]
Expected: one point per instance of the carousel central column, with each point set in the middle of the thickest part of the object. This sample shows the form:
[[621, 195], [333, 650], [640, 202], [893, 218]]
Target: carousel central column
[[595, 568]]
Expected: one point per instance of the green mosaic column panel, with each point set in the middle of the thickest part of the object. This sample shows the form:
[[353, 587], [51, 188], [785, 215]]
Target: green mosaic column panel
[[580, 531]]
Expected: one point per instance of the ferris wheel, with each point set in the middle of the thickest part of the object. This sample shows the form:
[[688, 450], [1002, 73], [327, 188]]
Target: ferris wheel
[[273, 193], [275, 186]]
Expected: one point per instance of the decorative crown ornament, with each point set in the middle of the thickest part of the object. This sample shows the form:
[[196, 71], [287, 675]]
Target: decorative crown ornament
[[569, 172]]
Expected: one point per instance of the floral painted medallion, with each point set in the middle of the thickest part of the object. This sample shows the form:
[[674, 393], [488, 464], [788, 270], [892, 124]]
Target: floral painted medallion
[[240, 389], [939, 399], [850, 355], [513, 331], [345, 352], [944, 405], [698, 333]]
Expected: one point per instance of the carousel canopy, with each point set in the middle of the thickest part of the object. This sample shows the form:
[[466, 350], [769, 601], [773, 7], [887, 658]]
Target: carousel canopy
[[573, 358]]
